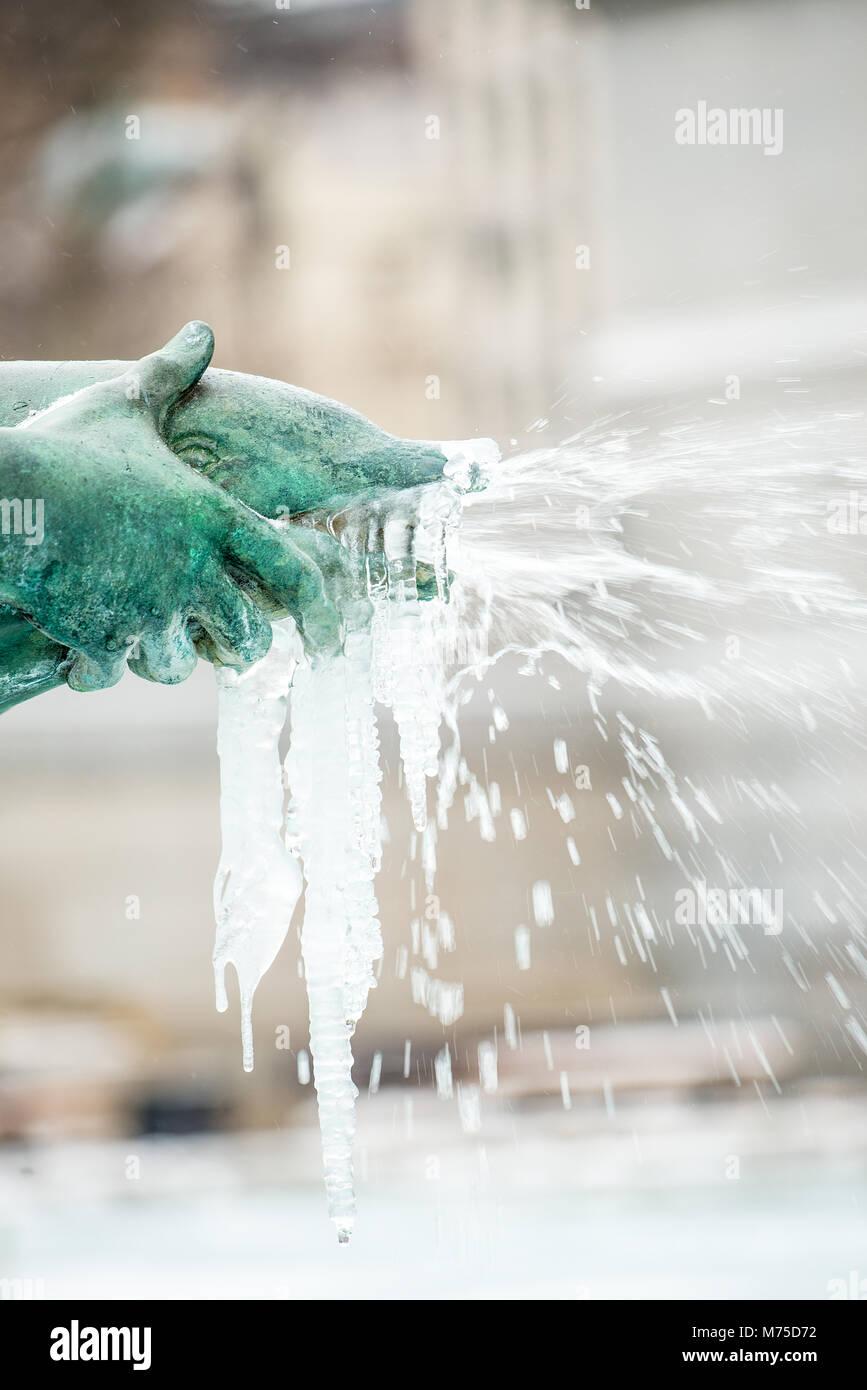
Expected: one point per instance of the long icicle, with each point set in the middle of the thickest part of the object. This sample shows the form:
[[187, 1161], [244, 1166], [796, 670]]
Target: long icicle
[[333, 771], [257, 883]]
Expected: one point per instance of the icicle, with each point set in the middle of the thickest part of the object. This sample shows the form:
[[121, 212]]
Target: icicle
[[333, 772], [407, 675], [257, 883]]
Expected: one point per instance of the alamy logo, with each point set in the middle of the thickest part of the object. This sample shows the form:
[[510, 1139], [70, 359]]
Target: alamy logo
[[713, 125], [23, 516], [730, 907], [76, 1343], [13, 1289], [847, 515], [853, 1287]]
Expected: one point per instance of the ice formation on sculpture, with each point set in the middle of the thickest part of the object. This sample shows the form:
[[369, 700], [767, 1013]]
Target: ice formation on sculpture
[[392, 656]]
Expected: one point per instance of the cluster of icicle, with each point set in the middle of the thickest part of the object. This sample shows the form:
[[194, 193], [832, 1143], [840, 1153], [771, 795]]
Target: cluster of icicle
[[329, 841]]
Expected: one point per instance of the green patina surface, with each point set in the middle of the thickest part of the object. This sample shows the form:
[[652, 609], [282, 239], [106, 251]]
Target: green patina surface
[[154, 478]]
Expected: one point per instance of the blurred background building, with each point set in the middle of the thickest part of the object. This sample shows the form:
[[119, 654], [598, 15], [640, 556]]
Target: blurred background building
[[461, 217]]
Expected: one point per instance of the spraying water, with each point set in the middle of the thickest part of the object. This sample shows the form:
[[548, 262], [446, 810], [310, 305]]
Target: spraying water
[[633, 556]]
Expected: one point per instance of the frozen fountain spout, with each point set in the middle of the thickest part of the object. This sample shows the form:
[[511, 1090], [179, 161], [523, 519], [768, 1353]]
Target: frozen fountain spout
[[283, 451]]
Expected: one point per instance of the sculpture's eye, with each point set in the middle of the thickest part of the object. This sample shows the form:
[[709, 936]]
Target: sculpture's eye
[[197, 452]]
